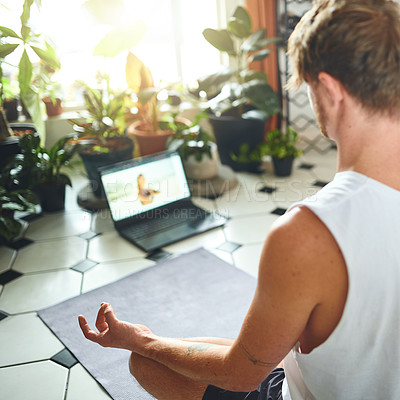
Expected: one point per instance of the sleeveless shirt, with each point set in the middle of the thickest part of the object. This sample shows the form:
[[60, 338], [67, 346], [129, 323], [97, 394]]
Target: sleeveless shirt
[[361, 358]]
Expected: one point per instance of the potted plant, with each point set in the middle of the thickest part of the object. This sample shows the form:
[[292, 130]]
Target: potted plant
[[50, 90], [240, 100], [151, 128], [11, 201], [102, 139], [39, 169], [280, 145], [31, 42], [197, 149]]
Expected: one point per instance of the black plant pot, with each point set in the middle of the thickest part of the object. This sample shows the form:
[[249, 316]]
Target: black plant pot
[[230, 133], [94, 161], [8, 148], [282, 166], [11, 109], [51, 196]]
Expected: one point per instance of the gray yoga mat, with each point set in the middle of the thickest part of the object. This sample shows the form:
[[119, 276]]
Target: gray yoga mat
[[194, 294]]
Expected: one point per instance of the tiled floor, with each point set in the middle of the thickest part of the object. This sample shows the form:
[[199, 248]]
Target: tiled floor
[[75, 251]]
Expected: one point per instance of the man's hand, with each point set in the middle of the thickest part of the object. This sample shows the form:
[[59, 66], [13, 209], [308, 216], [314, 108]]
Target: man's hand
[[114, 333]]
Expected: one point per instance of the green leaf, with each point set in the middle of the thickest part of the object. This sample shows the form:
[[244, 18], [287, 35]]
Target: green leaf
[[25, 72], [215, 80], [238, 28], [26, 12], [6, 49], [260, 55], [251, 43], [121, 38], [250, 75], [220, 39], [33, 104], [243, 16], [262, 96], [7, 32], [145, 95], [48, 56]]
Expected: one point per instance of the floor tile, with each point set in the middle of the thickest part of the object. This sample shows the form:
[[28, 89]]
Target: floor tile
[[20, 243], [9, 276], [247, 258], [38, 381], [3, 315], [208, 240], [110, 246], [229, 247], [64, 358], [51, 255], [82, 385], [36, 291], [244, 200], [251, 229], [106, 273], [84, 266], [59, 225], [16, 349], [6, 257]]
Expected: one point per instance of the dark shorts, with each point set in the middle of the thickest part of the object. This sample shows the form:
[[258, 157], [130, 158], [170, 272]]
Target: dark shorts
[[270, 389]]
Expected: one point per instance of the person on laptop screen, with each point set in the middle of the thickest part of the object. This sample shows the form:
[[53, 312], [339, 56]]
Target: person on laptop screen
[[145, 194], [328, 294]]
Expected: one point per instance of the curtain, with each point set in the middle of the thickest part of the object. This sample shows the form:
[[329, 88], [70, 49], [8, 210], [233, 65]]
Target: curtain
[[263, 15]]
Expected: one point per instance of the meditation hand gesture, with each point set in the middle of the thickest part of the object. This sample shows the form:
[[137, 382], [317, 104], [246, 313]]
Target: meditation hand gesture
[[113, 332]]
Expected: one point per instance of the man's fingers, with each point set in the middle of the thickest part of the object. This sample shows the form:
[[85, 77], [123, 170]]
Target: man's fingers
[[101, 323], [109, 314], [87, 332]]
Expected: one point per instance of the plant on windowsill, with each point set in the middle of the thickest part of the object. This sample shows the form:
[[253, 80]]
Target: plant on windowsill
[[30, 41], [240, 99], [151, 128], [39, 169], [197, 149], [101, 140], [280, 145], [11, 201]]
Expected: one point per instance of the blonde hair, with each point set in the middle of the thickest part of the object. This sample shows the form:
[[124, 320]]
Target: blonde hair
[[356, 42]]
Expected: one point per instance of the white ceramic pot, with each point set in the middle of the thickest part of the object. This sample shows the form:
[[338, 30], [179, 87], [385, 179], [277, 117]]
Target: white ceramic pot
[[206, 168]]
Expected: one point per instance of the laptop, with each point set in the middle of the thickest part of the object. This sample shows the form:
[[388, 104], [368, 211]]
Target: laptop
[[150, 201]]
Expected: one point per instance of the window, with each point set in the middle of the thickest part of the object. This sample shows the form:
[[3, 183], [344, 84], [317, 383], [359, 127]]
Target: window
[[173, 47]]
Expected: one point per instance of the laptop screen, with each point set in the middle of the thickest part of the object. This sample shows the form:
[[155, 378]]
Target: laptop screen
[[141, 185]]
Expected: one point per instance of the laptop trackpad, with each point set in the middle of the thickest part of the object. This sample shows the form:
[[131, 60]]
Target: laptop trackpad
[[179, 232]]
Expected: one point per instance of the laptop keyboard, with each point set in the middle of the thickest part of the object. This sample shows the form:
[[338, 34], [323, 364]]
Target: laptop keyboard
[[145, 228]]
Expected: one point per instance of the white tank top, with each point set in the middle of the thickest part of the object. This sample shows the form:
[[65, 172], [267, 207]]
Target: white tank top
[[361, 358]]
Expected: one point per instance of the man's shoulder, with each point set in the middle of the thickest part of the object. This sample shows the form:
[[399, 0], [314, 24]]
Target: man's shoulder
[[300, 248]]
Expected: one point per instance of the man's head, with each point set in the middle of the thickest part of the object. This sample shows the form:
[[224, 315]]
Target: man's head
[[357, 42]]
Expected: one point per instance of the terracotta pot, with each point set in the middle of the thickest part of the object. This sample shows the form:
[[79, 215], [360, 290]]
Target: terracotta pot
[[53, 109], [151, 142]]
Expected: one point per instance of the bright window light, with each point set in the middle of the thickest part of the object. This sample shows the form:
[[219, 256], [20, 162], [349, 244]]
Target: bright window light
[[173, 46]]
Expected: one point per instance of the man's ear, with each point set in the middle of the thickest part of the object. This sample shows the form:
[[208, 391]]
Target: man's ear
[[331, 88]]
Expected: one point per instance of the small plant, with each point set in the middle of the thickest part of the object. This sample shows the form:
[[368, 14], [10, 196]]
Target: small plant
[[193, 140], [37, 165], [277, 144], [240, 91], [105, 119], [11, 201]]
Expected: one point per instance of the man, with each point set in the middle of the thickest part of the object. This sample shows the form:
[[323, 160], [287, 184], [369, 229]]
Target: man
[[327, 298]]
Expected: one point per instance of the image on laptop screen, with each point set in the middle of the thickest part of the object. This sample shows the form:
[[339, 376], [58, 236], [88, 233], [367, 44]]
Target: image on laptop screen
[[139, 187]]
